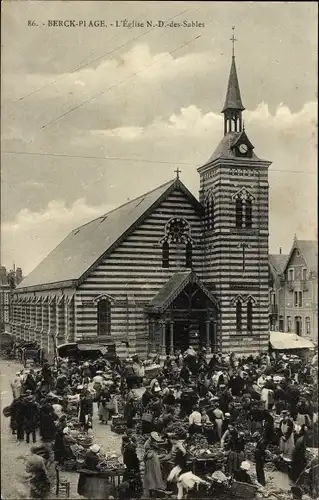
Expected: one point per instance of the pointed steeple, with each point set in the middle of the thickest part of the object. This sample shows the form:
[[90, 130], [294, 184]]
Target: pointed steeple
[[233, 106], [233, 97]]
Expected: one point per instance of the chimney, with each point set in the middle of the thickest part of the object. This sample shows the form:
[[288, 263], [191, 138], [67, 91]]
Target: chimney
[[19, 276], [280, 250]]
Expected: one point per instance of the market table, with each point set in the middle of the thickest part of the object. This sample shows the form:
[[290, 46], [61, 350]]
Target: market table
[[99, 484], [207, 463]]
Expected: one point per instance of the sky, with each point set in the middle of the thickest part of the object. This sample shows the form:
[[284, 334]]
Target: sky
[[94, 116]]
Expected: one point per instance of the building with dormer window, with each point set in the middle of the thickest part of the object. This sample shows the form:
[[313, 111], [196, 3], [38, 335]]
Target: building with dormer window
[[294, 290]]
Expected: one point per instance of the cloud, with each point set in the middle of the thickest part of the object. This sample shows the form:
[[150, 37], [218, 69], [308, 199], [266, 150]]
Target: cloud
[[32, 235]]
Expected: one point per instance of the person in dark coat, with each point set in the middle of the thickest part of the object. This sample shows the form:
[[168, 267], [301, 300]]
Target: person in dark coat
[[17, 417], [58, 441], [185, 374], [130, 458], [169, 398], [299, 460], [46, 374], [30, 383], [86, 408], [31, 417], [260, 455], [47, 423], [224, 399], [269, 428], [147, 396], [129, 413]]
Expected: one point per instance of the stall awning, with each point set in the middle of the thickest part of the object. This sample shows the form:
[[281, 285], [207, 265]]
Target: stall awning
[[281, 341]]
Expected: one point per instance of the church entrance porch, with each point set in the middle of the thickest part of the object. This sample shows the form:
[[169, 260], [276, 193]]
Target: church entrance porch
[[184, 313]]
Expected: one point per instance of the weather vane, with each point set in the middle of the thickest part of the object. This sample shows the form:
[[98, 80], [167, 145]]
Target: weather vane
[[233, 40]]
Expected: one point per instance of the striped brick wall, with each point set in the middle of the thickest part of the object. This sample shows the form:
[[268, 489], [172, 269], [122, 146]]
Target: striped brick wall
[[132, 275], [224, 255]]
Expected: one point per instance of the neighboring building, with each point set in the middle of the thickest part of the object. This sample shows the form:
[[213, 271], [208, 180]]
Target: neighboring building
[[8, 281], [4, 300], [294, 290], [165, 270]]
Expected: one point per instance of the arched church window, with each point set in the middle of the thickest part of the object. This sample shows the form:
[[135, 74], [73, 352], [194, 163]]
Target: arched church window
[[239, 212], [165, 254], [209, 212], [238, 316], [103, 317], [249, 316], [248, 212], [189, 254]]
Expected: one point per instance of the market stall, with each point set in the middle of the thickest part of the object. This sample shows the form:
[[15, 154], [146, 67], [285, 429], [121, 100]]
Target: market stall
[[103, 480], [282, 342]]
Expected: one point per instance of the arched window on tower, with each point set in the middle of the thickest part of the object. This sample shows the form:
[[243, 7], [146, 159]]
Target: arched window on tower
[[165, 254], [249, 316], [104, 317], [189, 254], [238, 316], [239, 212], [248, 212], [210, 212]]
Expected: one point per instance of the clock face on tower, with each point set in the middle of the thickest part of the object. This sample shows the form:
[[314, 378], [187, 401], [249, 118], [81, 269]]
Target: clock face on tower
[[243, 148]]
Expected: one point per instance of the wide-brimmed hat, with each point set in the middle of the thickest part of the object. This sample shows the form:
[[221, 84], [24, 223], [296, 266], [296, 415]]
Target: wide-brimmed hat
[[156, 437]]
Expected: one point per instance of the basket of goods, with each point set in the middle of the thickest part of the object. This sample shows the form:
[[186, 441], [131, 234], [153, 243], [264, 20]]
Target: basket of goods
[[70, 464], [243, 490], [197, 445], [177, 428], [147, 416], [110, 463], [84, 440], [118, 424], [6, 411]]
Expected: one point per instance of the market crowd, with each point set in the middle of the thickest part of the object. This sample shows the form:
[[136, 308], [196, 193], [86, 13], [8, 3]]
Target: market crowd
[[200, 423]]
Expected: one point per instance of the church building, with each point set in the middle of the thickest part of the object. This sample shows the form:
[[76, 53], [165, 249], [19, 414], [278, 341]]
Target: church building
[[165, 270]]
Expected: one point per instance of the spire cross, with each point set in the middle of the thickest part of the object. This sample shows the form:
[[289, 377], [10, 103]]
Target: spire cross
[[178, 171], [233, 40]]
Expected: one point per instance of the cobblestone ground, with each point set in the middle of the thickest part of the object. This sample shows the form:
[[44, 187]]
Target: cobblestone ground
[[12, 466]]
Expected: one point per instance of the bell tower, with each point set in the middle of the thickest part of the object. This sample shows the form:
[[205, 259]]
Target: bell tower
[[233, 106], [234, 192]]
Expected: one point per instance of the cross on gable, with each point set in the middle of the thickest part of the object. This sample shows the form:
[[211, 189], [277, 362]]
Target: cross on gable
[[177, 171]]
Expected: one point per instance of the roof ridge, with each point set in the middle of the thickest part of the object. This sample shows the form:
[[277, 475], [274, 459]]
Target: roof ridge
[[124, 204]]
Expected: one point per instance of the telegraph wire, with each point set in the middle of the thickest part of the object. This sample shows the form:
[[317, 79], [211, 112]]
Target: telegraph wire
[[81, 66], [115, 85], [137, 160]]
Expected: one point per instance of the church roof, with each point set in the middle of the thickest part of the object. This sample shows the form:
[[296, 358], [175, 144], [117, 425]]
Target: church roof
[[278, 262], [85, 246], [309, 251], [173, 288], [225, 148], [233, 97]]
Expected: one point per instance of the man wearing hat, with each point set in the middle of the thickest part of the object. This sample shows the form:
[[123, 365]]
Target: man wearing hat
[[195, 421]]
